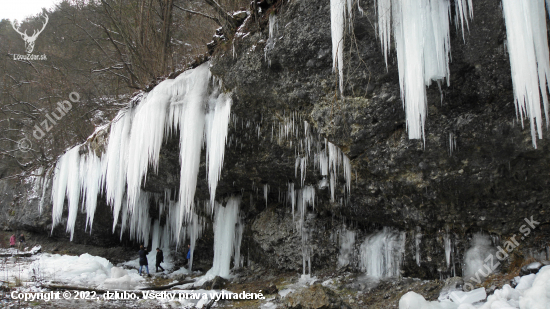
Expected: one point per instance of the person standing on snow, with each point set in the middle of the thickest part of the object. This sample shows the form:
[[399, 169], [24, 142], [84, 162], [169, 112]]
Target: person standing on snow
[[143, 260], [21, 241], [12, 241], [160, 259]]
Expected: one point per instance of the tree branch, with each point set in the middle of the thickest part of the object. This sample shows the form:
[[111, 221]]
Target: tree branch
[[200, 14]]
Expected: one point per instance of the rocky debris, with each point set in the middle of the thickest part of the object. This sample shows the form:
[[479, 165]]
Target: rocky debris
[[268, 289], [315, 297], [217, 283]]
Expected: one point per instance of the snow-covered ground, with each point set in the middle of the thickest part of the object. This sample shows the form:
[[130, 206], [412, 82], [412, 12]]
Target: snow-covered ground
[[34, 278], [531, 292]]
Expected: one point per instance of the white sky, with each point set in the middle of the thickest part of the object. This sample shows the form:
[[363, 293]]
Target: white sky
[[19, 9]]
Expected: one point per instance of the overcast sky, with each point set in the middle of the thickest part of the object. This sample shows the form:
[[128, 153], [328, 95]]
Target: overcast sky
[[19, 9]]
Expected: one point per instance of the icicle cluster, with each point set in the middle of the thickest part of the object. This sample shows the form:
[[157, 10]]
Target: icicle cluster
[[529, 59], [422, 41], [311, 151], [192, 105]]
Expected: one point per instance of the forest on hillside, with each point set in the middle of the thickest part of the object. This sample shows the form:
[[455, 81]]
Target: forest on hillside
[[98, 53]]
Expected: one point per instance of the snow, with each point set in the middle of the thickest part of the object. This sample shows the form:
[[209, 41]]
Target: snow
[[470, 297], [85, 270], [529, 59], [532, 292]]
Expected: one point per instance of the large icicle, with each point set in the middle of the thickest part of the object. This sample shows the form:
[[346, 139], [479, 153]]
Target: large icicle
[[147, 135], [338, 15], [66, 182], [191, 126], [194, 230], [217, 124], [117, 161], [224, 236], [528, 49], [90, 177], [65, 165]]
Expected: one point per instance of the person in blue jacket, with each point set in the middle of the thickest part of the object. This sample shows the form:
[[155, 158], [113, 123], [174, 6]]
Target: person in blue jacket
[[143, 260], [188, 256]]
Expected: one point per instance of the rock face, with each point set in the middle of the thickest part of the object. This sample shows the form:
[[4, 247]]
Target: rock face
[[490, 179]]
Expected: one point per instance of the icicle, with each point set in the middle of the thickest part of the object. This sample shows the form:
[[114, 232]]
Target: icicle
[[384, 25], [217, 124], [291, 196], [337, 24], [417, 241], [239, 229], [147, 135], [66, 182], [463, 10], [90, 177], [266, 191], [155, 241], [191, 124], [447, 243], [273, 29], [529, 59], [224, 236], [114, 175], [194, 230]]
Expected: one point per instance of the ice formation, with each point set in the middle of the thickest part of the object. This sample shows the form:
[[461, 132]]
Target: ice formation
[[191, 104], [476, 267], [273, 29], [417, 241], [382, 254], [529, 59], [340, 12], [447, 243], [347, 244], [422, 41], [66, 182], [225, 237]]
